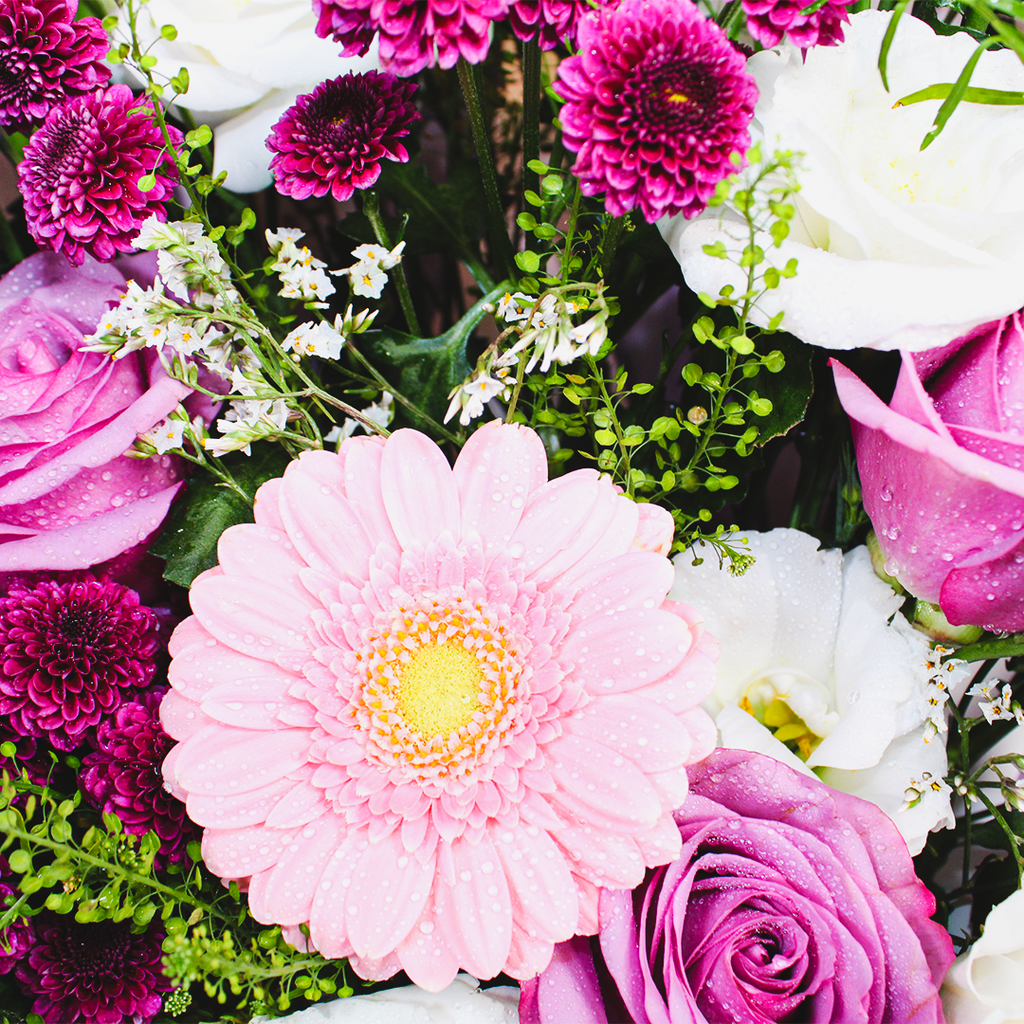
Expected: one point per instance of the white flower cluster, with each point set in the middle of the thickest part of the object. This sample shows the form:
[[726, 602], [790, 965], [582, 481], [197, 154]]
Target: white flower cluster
[[473, 394], [303, 276], [940, 676], [379, 413], [997, 703], [368, 275], [550, 330]]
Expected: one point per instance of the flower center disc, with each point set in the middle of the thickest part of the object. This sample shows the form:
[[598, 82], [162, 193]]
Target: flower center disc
[[440, 689]]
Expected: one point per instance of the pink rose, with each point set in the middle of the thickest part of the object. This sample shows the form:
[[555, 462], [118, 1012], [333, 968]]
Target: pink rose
[[942, 471], [69, 498], [790, 901]]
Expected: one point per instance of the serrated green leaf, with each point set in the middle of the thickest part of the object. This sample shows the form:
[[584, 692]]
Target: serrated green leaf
[[188, 540], [430, 367]]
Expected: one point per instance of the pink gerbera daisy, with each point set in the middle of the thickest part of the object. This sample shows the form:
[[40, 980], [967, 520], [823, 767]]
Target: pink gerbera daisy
[[430, 711], [658, 102]]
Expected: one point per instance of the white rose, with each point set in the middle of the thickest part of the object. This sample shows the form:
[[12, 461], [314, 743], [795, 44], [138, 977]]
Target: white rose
[[462, 1002], [986, 984], [247, 61], [809, 631], [896, 248]]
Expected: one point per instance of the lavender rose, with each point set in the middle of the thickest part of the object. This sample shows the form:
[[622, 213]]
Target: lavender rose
[[790, 901], [69, 498], [942, 469]]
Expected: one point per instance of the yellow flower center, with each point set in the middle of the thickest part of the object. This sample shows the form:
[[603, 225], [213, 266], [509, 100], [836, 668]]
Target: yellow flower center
[[440, 689], [678, 97]]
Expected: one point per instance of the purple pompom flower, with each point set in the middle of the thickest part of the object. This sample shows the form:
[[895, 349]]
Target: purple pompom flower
[[414, 34], [123, 777], [657, 102], [81, 172], [93, 973], [46, 57], [335, 137], [68, 654], [769, 20], [550, 22]]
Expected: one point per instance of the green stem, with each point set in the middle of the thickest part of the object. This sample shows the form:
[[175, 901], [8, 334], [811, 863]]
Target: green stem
[[520, 374], [371, 207], [471, 81], [399, 397], [612, 236], [7, 148], [731, 18], [609, 406], [531, 110], [8, 243]]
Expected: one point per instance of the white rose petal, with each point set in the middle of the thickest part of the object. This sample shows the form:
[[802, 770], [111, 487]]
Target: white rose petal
[[812, 629], [896, 247], [462, 1002], [986, 984]]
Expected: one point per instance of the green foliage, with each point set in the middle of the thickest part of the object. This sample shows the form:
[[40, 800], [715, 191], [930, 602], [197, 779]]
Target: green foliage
[[188, 540]]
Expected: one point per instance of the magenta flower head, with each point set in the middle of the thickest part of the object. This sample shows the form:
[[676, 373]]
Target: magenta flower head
[[46, 57], [93, 973], [791, 901], [942, 470], [70, 651], [549, 22], [335, 137], [434, 730], [123, 777], [81, 171], [657, 102], [769, 20], [414, 34]]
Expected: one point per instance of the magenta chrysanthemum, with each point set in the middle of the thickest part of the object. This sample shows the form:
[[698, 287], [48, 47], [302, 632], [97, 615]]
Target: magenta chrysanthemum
[[657, 102], [123, 777], [550, 22], [414, 34], [335, 137], [93, 973], [68, 654], [769, 20], [430, 711], [81, 171], [46, 57]]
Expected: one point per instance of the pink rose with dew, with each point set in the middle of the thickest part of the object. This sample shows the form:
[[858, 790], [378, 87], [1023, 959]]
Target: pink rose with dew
[[942, 471], [69, 499], [790, 901], [430, 711]]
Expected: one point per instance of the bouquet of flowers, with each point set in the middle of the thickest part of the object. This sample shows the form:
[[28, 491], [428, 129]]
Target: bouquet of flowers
[[512, 510]]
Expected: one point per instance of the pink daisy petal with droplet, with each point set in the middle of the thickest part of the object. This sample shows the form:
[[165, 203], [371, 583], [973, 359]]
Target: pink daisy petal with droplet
[[428, 710]]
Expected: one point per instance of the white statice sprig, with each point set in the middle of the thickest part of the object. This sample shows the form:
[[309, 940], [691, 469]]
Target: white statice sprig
[[368, 275], [303, 277], [996, 703], [379, 414]]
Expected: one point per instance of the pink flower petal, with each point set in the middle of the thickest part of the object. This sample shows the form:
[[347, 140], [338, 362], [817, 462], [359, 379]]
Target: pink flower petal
[[362, 488], [397, 887], [426, 957], [238, 810], [241, 852], [224, 760], [418, 489], [497, 470], [286, 895], [475, 907]]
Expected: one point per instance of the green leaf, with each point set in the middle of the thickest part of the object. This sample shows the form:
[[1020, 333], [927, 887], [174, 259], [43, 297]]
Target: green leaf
[[188, 541], [1007, 647], [890, 34], [717, 250], [146, 183], [956, 93], [528, 261], [169, 32], [604, 437], [972, 94], [148, 62], [430, 367], [109, 22], [788, 392], [20, 862], [526, 221], [538, 166]]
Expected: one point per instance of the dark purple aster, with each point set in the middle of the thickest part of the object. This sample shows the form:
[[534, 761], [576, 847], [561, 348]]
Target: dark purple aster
[[769, 20], [550, 22], [94, 973], [46, 57], [16, 938], [123, 776], [81, 171], [657, 102], [335, 137], [68, 654]]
